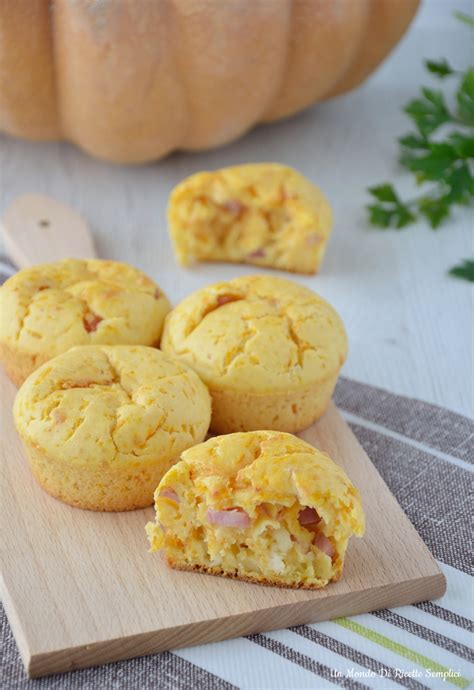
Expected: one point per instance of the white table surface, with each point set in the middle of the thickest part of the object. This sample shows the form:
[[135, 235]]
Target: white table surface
[[409, 324]]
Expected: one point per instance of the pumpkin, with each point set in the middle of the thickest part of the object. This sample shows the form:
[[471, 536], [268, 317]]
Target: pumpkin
[[132, 80]]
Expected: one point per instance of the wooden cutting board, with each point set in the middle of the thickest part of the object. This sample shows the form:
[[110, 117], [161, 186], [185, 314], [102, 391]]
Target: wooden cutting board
[[81, 589]]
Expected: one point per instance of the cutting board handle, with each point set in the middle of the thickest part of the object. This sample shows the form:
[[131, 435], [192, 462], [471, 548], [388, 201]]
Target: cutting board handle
[[38, 229]]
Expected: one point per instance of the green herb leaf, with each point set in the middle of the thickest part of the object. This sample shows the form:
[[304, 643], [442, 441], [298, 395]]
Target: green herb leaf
[[463, 144], [412, 141], [434, 210], [464, 270], [403, 217], [460, 183], [465, 18], [465, 98], [428, 113], [441, 69], [379, 216], [392, 213], [384, 192], [445, 160], [434, 164]]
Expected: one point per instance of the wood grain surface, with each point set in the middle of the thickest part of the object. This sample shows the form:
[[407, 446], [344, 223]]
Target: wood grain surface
[[37, 229]]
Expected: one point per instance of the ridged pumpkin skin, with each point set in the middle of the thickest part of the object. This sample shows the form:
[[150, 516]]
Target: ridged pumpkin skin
[[131, 80]]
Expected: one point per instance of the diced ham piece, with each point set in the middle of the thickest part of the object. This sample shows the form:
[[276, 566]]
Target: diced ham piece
[[58, 416], [224, 299], [257, 254], [91, 321], [234, 206], [308, 516], [312, 240], [233, 517], [283, 194], [322, 542], [168, 492]]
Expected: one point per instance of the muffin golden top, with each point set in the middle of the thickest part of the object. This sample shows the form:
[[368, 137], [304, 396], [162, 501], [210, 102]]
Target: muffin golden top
[[96, 404], [48, 308], [257, 334]]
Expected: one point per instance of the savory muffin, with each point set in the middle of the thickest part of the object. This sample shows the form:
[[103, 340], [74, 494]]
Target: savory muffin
[[262, 506], [269, 351], [102, 424], [48, 308], [264, 214]]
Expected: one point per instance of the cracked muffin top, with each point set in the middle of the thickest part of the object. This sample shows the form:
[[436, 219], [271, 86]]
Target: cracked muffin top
[[96, 404], [257, 334], [48, 308]]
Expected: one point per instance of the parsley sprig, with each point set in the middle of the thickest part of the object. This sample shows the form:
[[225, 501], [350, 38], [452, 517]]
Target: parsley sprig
[[439, 153], [464, 270]]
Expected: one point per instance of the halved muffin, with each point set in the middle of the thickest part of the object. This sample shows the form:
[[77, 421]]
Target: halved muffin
[[262, 506], [264, 214]]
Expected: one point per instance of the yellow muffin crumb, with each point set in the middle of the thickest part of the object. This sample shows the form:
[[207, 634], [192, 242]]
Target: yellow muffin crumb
[[48, 308], [262, 506], [264, 214], [268, 349], [102, 424]]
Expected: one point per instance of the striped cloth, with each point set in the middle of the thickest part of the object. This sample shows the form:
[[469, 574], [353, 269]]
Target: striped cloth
[[425, 455]]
